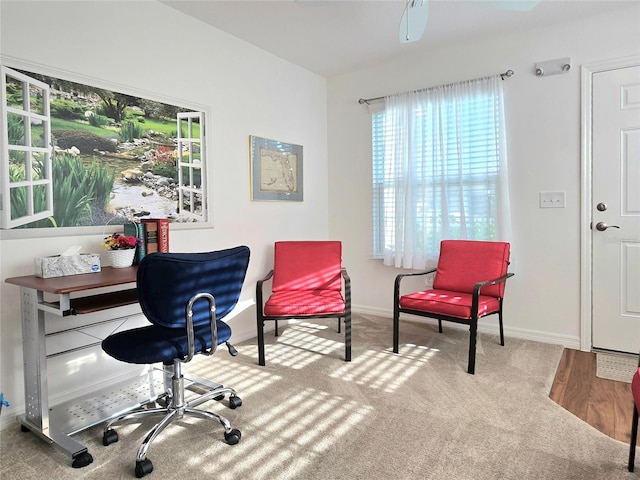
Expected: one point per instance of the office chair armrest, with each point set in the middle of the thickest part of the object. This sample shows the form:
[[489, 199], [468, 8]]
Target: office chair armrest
[[259, 302], [212, 320]]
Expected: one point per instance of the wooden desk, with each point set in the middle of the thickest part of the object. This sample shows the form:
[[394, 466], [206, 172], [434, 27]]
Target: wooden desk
[[65, 286], [56, 425]]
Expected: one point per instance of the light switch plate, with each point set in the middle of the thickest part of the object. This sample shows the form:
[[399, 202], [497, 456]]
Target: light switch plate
[[553, 200]]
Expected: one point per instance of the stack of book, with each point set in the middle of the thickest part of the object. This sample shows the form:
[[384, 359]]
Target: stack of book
[[153, 233]]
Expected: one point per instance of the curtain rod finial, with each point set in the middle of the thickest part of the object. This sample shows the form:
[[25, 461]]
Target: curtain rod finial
[[508, 73]]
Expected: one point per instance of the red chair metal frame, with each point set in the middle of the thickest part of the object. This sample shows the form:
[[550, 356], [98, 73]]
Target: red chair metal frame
[[635, 390], [261, 317], [471, 320]]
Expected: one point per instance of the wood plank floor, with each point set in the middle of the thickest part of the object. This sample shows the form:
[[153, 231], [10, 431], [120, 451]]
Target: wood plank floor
[[605, 404]]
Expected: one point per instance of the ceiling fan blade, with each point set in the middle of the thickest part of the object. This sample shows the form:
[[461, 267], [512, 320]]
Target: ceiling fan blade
[[513, 5], [413, 21]]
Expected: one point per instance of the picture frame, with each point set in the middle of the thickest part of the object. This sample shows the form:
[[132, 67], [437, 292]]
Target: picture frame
[[111, 140], [276, 170]]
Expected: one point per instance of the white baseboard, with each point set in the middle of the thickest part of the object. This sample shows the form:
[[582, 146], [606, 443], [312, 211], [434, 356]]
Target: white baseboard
[[484, 327], [240, 335], [8, 417], [489, 326]]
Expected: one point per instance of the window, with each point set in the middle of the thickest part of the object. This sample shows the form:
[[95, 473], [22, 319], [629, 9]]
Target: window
[[439, 171], [190, 178], [27, 193], [76, 155]]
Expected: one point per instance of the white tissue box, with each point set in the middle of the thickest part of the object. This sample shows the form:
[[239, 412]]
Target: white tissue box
[[63, 265]]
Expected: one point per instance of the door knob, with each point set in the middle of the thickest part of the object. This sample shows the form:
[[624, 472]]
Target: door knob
[[601, 226]]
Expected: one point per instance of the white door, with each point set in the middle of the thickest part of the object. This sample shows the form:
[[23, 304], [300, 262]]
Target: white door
[[615, 228]]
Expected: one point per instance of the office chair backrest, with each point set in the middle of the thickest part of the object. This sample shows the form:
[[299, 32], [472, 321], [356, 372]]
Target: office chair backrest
[[463, 263], [166, 282], [307, 265]]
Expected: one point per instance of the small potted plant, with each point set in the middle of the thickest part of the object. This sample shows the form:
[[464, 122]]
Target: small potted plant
[[121, 249]]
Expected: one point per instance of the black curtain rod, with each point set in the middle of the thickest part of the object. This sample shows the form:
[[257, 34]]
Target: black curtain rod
[[362, 101]]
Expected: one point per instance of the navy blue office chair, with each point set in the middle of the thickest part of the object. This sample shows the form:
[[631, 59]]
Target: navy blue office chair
[[184, 296]]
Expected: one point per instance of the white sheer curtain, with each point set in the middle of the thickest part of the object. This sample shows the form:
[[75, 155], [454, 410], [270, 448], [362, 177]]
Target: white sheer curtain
[[442, 171]]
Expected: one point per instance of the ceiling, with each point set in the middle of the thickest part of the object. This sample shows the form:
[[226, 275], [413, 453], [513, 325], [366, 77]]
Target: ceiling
[[334, 37]]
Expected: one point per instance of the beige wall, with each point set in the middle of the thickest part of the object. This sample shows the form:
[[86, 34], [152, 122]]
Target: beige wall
[[148, 47], [543, 130]]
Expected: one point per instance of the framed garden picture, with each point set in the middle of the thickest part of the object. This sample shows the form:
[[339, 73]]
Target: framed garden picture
[[276, 170], [79, 155]]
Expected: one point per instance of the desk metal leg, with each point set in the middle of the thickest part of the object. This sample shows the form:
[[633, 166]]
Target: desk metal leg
[[35, 361], [36, 392]]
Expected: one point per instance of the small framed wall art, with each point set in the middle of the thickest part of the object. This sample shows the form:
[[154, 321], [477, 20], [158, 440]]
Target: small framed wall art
[[276, 170]]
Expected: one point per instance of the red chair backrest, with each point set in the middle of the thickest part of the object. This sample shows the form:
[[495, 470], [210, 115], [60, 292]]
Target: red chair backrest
[[463, 263], [307, 265]]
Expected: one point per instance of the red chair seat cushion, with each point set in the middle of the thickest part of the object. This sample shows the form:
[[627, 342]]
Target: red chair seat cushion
[[446, 302], [304, 302]]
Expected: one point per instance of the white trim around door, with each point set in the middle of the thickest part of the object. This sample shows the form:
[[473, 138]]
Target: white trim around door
[[587, 73]]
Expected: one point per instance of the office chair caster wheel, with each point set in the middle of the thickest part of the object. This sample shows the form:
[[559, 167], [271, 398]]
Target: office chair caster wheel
[[24, 429], [109, 437], [82, 460], [219, 397], [234, 402], [143, 467], [233, 436]]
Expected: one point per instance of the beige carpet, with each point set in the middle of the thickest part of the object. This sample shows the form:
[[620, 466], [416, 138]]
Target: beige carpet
[[309, 415], [616, 366]]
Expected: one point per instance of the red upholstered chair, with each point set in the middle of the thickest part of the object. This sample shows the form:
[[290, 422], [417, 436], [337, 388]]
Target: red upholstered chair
[[308, 281], [469, 284], [635, 390]]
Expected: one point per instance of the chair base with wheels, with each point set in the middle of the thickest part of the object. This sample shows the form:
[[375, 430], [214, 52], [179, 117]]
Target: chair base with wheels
[[176, 409]]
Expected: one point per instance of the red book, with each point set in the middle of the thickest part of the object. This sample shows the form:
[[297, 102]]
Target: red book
[[163, 234]]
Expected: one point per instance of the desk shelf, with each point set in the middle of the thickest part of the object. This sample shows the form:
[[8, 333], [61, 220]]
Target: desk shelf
[[81, 337], [63, 287], [93, 303]]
